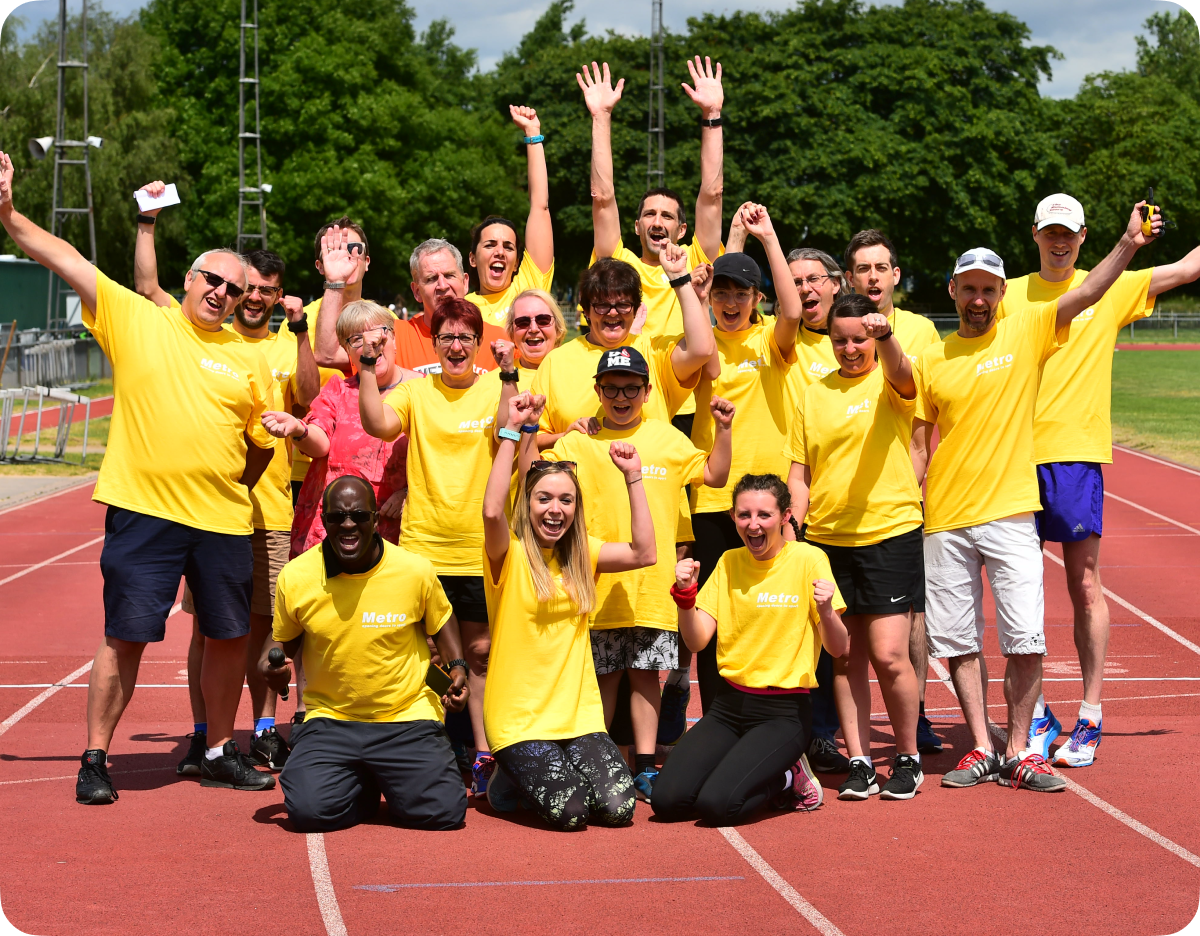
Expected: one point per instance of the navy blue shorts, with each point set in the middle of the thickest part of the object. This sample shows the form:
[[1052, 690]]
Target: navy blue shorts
[[142, 562], [1072, 501]]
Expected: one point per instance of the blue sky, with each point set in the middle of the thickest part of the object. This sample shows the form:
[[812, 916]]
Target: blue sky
[[1094, 35]]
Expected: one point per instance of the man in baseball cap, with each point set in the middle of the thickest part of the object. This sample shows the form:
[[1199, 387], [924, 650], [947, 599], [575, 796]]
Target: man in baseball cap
[[1059, 209]]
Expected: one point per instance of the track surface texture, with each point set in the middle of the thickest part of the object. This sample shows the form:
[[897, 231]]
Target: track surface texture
[[1116, 854]]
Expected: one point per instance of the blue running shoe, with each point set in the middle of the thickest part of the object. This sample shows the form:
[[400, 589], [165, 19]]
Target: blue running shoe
[[927, 741], [1080, 749], [481, 773], [1042, 733], [643, 784], [672, 718]]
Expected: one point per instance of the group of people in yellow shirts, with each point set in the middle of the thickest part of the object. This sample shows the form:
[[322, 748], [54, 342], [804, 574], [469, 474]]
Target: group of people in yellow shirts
[[520, 532]]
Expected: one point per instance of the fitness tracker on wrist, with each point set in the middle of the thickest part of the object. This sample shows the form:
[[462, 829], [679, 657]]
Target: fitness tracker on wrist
[[364, 361], [300, 327], [680, 281], [528, 428], [146, 219]]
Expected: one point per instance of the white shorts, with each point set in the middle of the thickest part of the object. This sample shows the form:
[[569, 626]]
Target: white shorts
[[1010, 551]]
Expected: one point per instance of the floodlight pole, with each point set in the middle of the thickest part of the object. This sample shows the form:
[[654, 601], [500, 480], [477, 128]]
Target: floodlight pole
[[656, 155], [58, 215], [249, 196]]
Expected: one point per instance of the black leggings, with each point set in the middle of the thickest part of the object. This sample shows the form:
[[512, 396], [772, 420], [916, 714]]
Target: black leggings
[[570, 781], [734, 758], [715, 535]]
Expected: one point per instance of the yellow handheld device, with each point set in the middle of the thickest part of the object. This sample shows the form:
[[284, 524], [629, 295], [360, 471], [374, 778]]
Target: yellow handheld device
[[1149, 209]]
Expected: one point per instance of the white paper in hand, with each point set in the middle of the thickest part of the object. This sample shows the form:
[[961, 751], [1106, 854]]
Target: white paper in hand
[[146, 202]]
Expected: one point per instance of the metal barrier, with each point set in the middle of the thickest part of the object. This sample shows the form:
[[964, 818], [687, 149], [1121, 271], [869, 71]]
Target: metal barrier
[[13, 426], [48, 363]]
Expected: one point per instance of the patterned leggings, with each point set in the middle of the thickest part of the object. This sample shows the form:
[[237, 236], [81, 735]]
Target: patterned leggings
[[570, 781]]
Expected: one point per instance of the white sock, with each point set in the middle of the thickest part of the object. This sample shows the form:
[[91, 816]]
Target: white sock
[[984, 750], [214, 752], [1090, 712], [1039, 708], [916, 757], [862, 760], [787, 779], [679, 677]]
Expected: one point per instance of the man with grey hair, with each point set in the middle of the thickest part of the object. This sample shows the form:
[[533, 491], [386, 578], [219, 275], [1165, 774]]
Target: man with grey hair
[[185, 447]]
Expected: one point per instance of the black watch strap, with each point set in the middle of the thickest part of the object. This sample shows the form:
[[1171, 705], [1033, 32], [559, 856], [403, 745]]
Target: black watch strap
[[510, 376], [711, 122], [300, 327], [454, 663], [365, 361], [146, 219], [680, 281]]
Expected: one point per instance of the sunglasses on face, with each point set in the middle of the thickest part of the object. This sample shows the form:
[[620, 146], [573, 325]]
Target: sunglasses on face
[[630, 393], [232, 290], [542, 464], [267, 292], [447, 341], [545, 320], [356, 247], [603, 308], [335, 518]]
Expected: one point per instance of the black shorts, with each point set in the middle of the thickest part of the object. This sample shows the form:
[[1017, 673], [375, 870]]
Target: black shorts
[[883, 578], [142, 562], [465, 593]]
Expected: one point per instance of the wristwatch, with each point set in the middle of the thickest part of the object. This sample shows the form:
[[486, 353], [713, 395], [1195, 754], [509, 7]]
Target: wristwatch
[[454, 663], [511, 376], [711, 122], [364, 361], [329, 285]]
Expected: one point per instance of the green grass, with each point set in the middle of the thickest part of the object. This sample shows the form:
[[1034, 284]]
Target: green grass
[[1156, 403], [97, 441]]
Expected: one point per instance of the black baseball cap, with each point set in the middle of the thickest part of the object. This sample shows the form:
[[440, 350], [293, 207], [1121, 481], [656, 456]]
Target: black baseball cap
[[740, 268], [623, 360]]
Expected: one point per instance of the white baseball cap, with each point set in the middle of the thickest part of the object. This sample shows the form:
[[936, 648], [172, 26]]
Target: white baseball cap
[[980, 258], [1059, 209]]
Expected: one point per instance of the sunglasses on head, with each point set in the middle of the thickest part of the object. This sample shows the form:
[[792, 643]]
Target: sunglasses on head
[[356, 247], [544, 320], [987, 259], [336, 518], [542, 464], [232, 290]]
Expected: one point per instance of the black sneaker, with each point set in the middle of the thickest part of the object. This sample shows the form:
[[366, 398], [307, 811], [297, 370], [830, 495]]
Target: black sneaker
[[190, 765], [94, 786], [269, 750], [862, 782], [905, 779], [927, 741], [826, 758], [233, 771]]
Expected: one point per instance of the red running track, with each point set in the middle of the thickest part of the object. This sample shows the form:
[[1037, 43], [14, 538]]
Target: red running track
[[1120, 856], [101, 407]]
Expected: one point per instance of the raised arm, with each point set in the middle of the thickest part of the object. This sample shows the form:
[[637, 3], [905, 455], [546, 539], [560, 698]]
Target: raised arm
[[1179, 273], [601, 97], [539, 232], [736, 242], [698, 343], [919, 448], [40, 245], [787, 297], [308, 375], [495, 495], [696, 627], [641, 552], [341, 268], [708, 95], [716, 469], [504, 354], [145, 260], [897, 368], [379, 420], [1105, 273]]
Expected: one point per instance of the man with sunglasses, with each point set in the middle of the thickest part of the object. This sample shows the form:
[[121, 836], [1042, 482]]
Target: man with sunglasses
[[357, 609], [185, 447], [979, 387]]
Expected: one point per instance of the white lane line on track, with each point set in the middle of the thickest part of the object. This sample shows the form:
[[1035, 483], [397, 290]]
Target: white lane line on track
[[318, 864], [784, 889], [115, 773], [1128, 607], [46, 497], [1157, 461], [1153, 513], [51, 560], [1083, 792], [42, 697]]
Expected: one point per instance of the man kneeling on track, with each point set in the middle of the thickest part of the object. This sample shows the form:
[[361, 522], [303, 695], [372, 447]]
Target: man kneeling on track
[[354, 606]]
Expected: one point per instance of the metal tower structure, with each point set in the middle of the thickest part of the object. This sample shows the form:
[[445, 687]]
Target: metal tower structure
[[656, 155], [69, 152], [250, 196]]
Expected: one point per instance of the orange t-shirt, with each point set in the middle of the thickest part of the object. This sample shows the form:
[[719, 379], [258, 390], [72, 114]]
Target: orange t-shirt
[[415, 350]]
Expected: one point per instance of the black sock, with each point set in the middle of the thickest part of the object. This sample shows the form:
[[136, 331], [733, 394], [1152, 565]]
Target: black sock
[[643, 762], [922, 708]]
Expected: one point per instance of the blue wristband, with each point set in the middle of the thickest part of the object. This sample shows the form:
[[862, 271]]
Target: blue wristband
[[534, 139], [509, 434], [528, 428]]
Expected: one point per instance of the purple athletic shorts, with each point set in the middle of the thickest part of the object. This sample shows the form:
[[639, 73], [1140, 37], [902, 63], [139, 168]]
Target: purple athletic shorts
[[1072, 501]]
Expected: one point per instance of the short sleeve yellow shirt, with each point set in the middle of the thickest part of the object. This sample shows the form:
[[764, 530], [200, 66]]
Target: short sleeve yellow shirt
[[814, 359], [494, 306], [767, 635], [541, 683], [669, 461], [184, 399], [664, 316], [914, 332], [364, 651], [853, 433], [980, 392], [1073, 419], [272, 496], [450, 450]]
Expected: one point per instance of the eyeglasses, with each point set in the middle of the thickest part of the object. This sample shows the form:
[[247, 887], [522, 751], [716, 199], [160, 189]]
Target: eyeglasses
[[542, 464], [740, 296], [986, 259], [447, 341], [232, 290], [267, 292], [545, 320], [355, 247], [630, 392], [357, 341], [336, 518], [603, 308], [812, 282]]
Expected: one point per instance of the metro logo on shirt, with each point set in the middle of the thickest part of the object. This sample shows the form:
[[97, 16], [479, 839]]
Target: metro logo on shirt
[[991, 365], [217, 367], [768, 600], [477, 425], [383, 618]]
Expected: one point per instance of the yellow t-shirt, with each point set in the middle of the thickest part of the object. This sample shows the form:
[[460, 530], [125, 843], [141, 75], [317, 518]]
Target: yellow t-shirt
[[1073, 421], [814, 359], [300, 461], [664, 315], [853, 433], [271, 498], [762, 643], [494, 307], [754, 377], [541, 683], [364, 651], [184, 399], [567, 378], [914, 332], [669, 461], [450, 450], [981, 393]]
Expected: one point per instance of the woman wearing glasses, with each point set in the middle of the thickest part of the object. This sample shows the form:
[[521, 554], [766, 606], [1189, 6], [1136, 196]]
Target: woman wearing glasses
[[536, 326], [448, 418], [542, 705], [501, 268]]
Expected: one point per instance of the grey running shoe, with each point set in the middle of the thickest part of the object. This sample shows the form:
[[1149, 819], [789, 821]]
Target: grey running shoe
[[976, 767], [1032, 772]]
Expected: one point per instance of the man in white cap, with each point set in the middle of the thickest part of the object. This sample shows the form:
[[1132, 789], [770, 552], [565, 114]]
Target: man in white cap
[[1072, 438], [979, 388]]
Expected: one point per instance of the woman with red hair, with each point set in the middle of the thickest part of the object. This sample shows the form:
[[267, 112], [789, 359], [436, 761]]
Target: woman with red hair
[[449, 420]]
